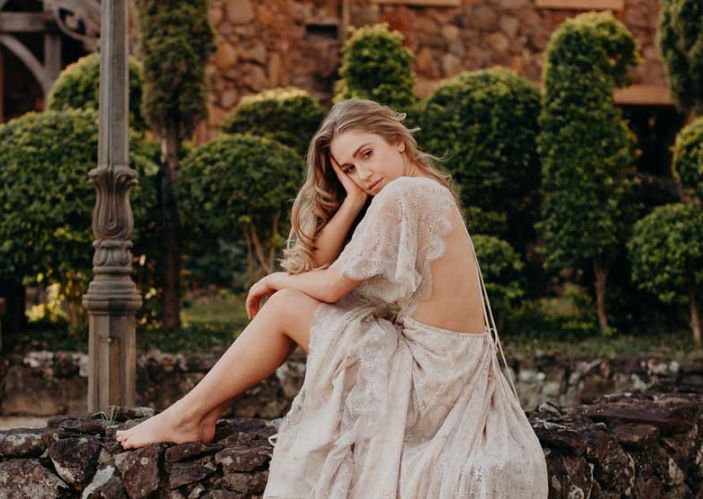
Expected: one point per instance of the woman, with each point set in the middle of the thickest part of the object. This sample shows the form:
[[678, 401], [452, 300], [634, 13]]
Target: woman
[[403, 393]]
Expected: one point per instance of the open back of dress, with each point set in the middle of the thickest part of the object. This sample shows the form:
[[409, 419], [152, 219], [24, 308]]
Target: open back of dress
[[393, 406]]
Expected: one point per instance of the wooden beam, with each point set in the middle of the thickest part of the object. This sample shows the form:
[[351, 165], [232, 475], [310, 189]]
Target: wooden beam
[[27, 57], [651, 95], [582, 4], [17, 22], [421, 3]]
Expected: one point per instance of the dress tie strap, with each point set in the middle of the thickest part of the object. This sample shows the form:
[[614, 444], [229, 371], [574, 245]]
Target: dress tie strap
[[488, 315]]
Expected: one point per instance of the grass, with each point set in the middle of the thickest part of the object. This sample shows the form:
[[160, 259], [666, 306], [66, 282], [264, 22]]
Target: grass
[[677, 345]]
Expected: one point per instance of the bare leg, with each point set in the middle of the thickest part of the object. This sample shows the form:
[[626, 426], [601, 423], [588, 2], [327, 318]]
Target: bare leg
[[267, 341]]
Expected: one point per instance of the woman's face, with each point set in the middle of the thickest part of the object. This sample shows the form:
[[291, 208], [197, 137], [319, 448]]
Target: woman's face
[[368, 159]]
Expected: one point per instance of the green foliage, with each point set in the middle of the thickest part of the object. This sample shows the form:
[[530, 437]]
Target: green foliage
[[567, 317], [485, 222], [78, 87], [501, 268], [487, 122], [175, 45], [679, 40], [46, 202], [587, 149], [377, 66], [666, 250], [289, 115], [239, 186], [687, 162]]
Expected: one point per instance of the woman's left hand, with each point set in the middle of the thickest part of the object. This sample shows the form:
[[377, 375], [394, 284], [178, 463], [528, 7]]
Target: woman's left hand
[[262, 289]]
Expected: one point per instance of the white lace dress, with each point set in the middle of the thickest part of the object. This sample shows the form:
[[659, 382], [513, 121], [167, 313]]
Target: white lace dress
[[391, 407]]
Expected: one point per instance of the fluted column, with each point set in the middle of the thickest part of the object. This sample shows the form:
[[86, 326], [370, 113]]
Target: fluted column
[[112, 298]]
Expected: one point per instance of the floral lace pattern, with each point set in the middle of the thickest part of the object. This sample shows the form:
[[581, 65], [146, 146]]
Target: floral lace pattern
[[393, 408]]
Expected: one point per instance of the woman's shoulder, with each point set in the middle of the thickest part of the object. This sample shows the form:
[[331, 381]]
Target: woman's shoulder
[[416, 187]]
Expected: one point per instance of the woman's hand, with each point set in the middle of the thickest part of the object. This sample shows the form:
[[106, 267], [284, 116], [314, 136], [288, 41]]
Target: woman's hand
[[261, 289], [353, 191]]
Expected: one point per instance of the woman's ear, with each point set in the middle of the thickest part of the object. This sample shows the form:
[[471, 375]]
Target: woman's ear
[[401, 146]]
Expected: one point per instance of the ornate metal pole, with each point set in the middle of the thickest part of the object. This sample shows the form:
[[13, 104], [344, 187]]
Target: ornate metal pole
[[112, 298]]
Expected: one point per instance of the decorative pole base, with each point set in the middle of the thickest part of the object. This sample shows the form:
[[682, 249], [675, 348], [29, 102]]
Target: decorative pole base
[[111, 302]]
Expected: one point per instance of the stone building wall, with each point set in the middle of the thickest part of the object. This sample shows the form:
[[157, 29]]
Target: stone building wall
[[297, 42]]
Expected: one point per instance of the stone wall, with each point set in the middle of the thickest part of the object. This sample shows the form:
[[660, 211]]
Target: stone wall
[[297, 42], [43, 383], [642, 446]]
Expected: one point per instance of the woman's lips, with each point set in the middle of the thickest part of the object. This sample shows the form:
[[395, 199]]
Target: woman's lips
[[374, 185]]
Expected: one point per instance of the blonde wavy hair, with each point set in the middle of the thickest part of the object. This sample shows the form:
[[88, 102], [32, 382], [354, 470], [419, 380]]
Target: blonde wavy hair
[[322, 193]]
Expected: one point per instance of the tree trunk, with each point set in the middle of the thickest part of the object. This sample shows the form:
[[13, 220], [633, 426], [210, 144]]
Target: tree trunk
[[601, 275], [695, 317], [170, 228]]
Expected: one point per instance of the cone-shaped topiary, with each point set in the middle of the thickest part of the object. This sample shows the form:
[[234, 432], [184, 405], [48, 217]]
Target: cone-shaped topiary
[[377, 66]]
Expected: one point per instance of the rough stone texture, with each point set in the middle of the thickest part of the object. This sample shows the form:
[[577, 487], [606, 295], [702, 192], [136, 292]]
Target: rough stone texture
[[60, 381], [644, 444], [42, 383], [297, 42]]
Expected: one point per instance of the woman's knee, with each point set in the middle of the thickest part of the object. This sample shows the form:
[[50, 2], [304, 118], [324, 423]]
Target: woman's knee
[[288, 301], [294, 312]]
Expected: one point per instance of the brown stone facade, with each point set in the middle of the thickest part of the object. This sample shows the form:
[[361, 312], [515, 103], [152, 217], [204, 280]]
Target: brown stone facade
[[297, 42]]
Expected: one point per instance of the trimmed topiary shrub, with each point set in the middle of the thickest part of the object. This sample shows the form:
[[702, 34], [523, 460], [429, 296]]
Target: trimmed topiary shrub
[[47, 202], [687, 161], [487, 122], [666, 251], [679, 41], [289, 115], [501, 268], [240, 186], [78, 87], [588, 151], [175, 44], [377, 66]]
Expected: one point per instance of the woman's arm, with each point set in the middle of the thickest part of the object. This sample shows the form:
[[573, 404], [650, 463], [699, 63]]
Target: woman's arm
[[326, 285], [331, 238]]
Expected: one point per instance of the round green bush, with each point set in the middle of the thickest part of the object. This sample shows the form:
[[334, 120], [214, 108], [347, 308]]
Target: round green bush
[[78, 87], [289, 115], [687, 162], [46, 200], [239, 186], [502, 272], [377, 66], [487, 122], [666, 251]]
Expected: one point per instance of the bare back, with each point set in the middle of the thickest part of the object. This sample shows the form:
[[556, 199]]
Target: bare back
[[455, 301], [412, 248]]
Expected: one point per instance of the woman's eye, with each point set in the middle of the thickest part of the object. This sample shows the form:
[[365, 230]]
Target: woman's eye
[[349, 170], [367, 154]]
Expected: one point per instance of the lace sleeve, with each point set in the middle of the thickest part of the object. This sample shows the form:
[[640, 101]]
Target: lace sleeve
[[385, 244]]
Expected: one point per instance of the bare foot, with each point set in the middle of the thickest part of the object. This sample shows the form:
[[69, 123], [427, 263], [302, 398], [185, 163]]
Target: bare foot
[[168, 426]]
